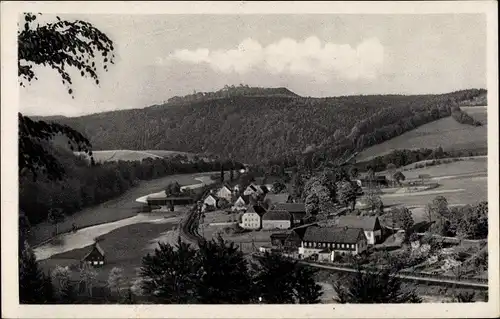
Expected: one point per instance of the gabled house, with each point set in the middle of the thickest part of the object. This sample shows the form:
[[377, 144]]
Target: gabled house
[[277, 219], [252, 189], [297, 210], [273, 199], [95, 257], [224, 192], [370, 225], [329, 242], [210, 200], [241, 203], [252, 218], [289, 240]]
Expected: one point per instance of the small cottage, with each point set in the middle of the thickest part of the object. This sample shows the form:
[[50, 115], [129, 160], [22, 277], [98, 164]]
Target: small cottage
[[252, 218], [241, 203], [95, 257], [328, 242], [211, 200], [370, 225], [225, 192], [276, 219], [252, 190]]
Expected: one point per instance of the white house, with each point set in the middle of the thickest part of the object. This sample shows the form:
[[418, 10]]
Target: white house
[[329, 242], [224, 192], [370, 225], [252, 218], [210, 200]]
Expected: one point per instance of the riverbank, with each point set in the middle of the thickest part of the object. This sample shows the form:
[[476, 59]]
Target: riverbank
[[122, 207]]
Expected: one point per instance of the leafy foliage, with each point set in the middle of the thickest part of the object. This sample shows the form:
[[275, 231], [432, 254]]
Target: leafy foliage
[[169, 274], [462, 117], [347, 193], [60, 45], [374, 287], [224, 274], [34, 286], [403, 218], [34, 157], [280, 280]]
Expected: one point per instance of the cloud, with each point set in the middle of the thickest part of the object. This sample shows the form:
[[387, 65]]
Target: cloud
[[287, 56]]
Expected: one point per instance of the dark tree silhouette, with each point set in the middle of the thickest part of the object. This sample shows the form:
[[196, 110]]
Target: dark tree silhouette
[[59, 45], [170, 274], [34, 286], [374, 287], [225, 278], [280, 280]]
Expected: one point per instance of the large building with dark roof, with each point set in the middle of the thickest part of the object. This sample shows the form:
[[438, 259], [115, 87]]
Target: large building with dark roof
[[277, 219], [297, 210], [328, 242], [370, 225]]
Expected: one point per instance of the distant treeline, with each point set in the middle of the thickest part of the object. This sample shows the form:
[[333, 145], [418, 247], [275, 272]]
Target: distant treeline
[[405, 157], [85, 185], [231, 91], [462, 117]]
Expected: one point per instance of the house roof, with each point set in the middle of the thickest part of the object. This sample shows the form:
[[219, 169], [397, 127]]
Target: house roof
[[94, 246], [341, 235], [364, 222], [259, 210], [224, 186], [280, 235], [212, 195], [277, 215], [290, 207], [277, 198], [245, 198], [252, 187]]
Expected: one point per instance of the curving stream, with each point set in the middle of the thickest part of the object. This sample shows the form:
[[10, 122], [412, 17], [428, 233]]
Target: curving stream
[[85, 236]]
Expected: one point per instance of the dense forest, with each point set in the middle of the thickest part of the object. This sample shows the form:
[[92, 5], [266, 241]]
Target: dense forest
[[84, 185], [253, 129]]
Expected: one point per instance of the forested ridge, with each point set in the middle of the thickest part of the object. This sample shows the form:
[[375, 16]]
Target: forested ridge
[[258, 128]]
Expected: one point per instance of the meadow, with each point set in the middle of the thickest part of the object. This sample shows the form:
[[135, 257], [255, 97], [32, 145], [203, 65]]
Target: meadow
[[124, 248], [445, 132]]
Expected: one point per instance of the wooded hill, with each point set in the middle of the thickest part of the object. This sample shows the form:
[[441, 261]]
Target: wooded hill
[[253, 129]]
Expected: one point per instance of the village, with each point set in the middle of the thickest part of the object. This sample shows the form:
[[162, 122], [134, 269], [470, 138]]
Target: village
[[263, 217]]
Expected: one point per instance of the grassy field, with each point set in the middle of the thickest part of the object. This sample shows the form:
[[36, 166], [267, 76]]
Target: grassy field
[[446, 132], [124, 248], [462, 182], [119, 208]]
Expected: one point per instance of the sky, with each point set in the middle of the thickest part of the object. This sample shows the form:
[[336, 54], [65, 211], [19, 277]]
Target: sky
[[160, 56]]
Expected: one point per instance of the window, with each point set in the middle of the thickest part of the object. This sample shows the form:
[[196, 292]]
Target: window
[[95, 262], [342, 246], [101, 262]]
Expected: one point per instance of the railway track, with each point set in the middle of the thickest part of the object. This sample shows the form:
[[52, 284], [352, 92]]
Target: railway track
[[475, 283]]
